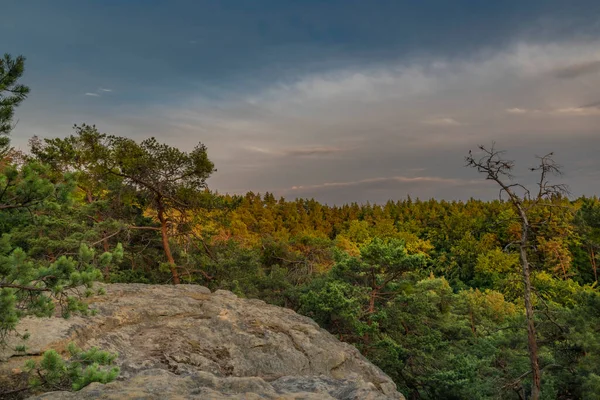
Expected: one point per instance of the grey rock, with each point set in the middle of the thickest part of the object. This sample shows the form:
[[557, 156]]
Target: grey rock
[[184, 342]]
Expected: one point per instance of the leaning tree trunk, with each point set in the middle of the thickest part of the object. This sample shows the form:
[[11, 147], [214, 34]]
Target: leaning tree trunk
[[90, 200], [165, 243], [531, 334]]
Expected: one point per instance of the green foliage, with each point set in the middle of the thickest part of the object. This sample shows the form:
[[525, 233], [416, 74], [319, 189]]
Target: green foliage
[[26, 187], [439, 343], [151, 165], [337, 306], [11, 95], [80, 369], [33, 287], [44, 257]]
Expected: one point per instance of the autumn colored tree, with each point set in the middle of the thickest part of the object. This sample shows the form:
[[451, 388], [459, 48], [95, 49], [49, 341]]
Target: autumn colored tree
[[587, 224]]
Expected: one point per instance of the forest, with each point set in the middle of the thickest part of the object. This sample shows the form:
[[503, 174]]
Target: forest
[[431, 291]]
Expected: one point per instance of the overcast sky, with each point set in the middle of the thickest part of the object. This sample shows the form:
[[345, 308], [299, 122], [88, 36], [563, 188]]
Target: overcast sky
[[338, 100]]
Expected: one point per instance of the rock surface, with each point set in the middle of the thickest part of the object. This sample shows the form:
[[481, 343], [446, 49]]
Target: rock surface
[[184, 342]]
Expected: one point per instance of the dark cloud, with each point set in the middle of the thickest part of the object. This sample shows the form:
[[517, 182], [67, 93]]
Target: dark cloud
[[595, 104], [577, 70], [345, 100]]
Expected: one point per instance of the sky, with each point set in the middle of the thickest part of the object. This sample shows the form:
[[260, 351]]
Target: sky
[[342, 101]]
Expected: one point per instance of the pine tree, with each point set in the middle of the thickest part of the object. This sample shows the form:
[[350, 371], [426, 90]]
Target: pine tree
[[171, 180], [32, 281], [11, 95]]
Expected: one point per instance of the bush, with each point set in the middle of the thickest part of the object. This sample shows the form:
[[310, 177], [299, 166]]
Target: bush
[[53, 372]]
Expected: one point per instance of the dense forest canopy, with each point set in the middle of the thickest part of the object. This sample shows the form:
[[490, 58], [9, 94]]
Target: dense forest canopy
[[431, 291]]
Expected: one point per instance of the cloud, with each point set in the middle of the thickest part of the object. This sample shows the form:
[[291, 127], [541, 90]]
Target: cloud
[[324, 131], [381, 189], [578, 69], [389, 180], [585, 111], [594, 104], [385, 119], [298, 151], [576, 111], [442, 122], [99, 92], [517, 110], [313, 151], [262, 150]]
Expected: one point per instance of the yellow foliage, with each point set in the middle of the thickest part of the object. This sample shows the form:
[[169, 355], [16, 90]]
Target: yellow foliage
[[489, 304], [345, 244], [413, 244], [497, 262]]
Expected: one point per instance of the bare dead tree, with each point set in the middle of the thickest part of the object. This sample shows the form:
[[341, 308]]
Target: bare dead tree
[[498, 169]]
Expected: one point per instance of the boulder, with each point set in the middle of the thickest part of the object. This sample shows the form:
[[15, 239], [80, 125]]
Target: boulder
[[184, 342]]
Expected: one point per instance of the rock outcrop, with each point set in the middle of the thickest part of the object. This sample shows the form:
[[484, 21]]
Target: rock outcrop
[[184, 342]]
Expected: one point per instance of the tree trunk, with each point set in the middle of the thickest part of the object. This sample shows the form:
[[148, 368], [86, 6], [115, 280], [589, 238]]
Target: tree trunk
[[531, 334], [90, 200], [106, 271], [165, 243], [473, 328], [370, 311], [593, 260], [372, 302], [374, 292]]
